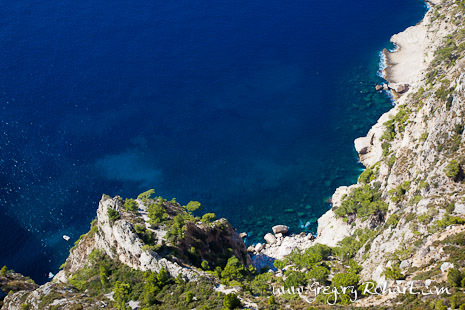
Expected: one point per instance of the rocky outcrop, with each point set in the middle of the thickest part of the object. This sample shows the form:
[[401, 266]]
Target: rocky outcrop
[[426, 135], [407, 151], [280, 229], [57, 295], [120, 241]]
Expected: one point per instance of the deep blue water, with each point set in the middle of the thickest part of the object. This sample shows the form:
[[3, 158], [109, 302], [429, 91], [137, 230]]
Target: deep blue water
[[250, 107]]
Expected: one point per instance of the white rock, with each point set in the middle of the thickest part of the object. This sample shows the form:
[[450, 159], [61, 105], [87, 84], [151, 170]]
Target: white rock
[[331, 229], [283, 229], [460, 208], [363, 144], [446, 266], [259, 247], [270, 238], [404, 264]]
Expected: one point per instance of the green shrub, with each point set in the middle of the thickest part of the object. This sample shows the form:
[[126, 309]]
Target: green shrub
[[458, 129], [189, 297], [113, 215], [362, 201], [294, 279], [261, 283], [398, 193], [208, 218], [139, 229], [393, 273], [4, 271], [152, 247], [193, 206], [415, 200], [425, 219], [231, 301], [386, 148], [424, 136], [345, 280], [348, 246], [121, 294], [390, 162], [177, 228], [439, 305], [205, 265], [323, 250], [233, 271], [157, 213], [423, 185], [306, 260], [146, 195], [367, 176], [392, 220], [448, 220], [450, 207], [271, 300], [446, 54], [398, 121], [130, 205], [318, 273], [455, 277], [389, 134], [453, 170]]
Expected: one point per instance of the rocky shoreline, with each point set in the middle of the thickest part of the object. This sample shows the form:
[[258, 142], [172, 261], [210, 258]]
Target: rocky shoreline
[[405, 73]]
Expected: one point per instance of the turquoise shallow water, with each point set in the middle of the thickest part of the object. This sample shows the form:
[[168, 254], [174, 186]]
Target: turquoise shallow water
[[250, 107]]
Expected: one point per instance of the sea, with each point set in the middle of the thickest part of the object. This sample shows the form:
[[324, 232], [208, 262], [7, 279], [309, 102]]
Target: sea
[[249, 106]]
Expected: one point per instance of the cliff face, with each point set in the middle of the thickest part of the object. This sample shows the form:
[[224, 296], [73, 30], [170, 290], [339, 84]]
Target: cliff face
[[414, 156], [120, 241]]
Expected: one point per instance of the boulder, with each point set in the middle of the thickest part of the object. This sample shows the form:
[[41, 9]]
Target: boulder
[[243, 235], [251, 249], [402, 88], [363, 144], [404, 264], [460, 208], [385, 86], [424, 252], [259, 247], [270, 238], [280, 229], [446, 266], [399, 88], [379, 87]]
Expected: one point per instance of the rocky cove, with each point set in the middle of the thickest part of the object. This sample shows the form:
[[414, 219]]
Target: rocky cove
[[402, 223]]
